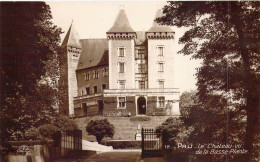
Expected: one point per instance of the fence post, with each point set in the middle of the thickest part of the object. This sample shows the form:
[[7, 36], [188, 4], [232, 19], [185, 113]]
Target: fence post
[[163, 140], [142, 140]]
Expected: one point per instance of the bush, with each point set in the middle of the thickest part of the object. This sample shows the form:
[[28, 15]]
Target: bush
[[65, 123], [124, 144], [140, 118], [100, 129], [172, 127], [47, 131], [26, 142], [32, 133]]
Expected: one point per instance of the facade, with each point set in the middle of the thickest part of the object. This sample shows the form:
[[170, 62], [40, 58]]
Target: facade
[[128, 73]]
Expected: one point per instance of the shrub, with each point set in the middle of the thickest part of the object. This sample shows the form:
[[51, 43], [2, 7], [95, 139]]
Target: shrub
[[47, 131], [140, 118], [26, 142], [124, 144], [100, 129], [172, 127], [32, 133], [65, 123]]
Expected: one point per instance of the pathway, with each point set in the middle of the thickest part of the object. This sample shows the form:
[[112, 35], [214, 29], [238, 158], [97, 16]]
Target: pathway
[[114, 156]]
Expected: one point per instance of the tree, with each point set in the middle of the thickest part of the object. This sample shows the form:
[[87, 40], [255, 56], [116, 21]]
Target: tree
[[174, 129], [100, 129], [29, 46], [188, 100], [225, 35], [65, 123], [47, 131]]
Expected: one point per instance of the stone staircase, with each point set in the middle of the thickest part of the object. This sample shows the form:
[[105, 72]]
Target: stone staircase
[[94, 146], [124, 128]]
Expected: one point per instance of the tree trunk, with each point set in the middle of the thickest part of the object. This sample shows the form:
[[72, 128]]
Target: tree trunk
[[251, 91], [99, 139], [250, 132]]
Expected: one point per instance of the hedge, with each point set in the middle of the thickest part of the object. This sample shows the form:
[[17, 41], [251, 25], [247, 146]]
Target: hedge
[[123, 144], [26, 142]]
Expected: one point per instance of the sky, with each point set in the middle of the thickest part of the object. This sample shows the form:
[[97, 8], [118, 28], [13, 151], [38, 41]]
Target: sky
[[94, 19]]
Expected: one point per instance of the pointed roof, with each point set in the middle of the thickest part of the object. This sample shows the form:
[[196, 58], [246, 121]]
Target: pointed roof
[[121, 24], [72, 38], [157, 27], [94, 53]]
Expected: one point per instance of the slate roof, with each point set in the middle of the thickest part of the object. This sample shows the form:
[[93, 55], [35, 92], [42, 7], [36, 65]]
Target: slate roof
[[121, 24], [94, 53], [72, 38], [157, 27]]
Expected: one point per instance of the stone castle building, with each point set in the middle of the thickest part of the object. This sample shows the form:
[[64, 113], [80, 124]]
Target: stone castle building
[[128, 73]]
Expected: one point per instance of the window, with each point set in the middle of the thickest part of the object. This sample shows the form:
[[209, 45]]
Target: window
[[121, 102], [86, 76], [82, 92], [95, 89], [161, 101], [140, 53], [141, 68], [87, 91], [84, 106], [161, 84], [96, 74], [161, 69], [121, 67], [104, 86], [105, 71], [121, 51], [121, 84], [142, 84], [160, 51]]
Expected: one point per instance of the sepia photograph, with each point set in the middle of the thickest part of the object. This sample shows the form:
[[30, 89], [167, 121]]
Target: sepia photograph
[[130, 81]]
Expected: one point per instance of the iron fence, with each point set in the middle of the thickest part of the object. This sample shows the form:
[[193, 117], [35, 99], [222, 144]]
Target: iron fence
[[68, 142], [152, 142]]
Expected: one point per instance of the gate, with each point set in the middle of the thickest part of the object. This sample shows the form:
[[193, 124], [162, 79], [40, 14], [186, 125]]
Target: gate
[[68, 142], [152, 142]]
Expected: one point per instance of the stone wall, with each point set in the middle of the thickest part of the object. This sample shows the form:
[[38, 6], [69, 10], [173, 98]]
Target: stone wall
[[167, 59], [128, 59], [110, 106], [92, 106], [83, 84], [73, 58], [125, 128], [152, 108]]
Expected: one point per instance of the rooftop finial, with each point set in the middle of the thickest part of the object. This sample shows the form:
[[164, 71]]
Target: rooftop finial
[[121, 7], [158, 6]]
